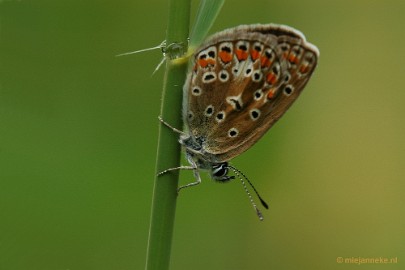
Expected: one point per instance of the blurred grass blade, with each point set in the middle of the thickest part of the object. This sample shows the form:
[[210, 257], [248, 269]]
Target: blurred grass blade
[[206, 15]]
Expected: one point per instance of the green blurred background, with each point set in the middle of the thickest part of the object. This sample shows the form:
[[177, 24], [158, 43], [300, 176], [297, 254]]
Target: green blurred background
[[78, 137]]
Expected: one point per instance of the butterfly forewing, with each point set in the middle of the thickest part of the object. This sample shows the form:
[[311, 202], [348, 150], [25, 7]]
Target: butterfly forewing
[[242, 82]]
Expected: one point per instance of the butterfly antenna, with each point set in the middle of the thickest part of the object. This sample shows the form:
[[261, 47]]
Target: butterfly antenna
[[240, 174]]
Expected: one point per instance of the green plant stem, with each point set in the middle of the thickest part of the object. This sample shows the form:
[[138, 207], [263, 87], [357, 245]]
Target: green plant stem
[[168, 154]]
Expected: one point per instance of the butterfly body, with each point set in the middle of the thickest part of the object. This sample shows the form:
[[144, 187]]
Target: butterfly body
[[242, 80]]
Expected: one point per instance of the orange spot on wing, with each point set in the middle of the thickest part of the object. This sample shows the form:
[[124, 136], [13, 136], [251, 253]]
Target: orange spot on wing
[[206, 62], [271, 93], [241, 55], [202, 63], [211, 62], [226, 57], [254, 54], [271, 78], [304, 68], [293, 59], [265, 62]]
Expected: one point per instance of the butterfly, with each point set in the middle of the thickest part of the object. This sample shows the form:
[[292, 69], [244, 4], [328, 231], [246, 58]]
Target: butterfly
[[241, 81]]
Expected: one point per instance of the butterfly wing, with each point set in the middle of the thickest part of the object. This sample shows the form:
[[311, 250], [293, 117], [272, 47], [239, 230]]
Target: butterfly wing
[[243, 80]]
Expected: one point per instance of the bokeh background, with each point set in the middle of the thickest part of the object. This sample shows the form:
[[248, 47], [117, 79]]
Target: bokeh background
[[78, 137]]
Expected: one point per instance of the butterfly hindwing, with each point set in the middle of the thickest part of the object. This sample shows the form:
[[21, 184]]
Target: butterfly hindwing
[[242, 82]]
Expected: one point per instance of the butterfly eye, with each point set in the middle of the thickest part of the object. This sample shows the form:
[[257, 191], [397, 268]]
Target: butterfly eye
[[190, 115], [220, 170]]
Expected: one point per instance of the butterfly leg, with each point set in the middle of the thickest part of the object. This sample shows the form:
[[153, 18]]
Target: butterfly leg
[[176, 168], [169, 126], [196, 175]]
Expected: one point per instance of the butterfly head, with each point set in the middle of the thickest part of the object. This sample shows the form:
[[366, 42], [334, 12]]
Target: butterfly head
[[219, 172]]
